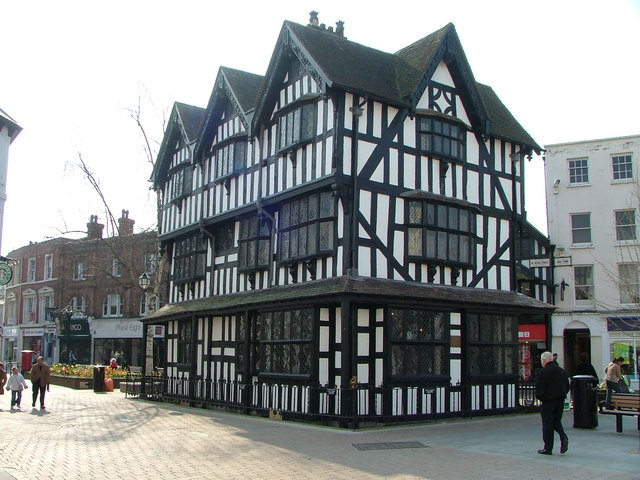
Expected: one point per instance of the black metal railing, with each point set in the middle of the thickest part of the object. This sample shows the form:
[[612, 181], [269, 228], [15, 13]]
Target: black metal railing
[[347, 407]]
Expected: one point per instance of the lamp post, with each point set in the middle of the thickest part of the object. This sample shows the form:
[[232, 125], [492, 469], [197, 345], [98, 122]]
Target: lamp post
[[144, 281]]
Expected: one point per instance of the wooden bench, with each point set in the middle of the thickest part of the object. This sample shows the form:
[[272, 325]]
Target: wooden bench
[[623, 404]]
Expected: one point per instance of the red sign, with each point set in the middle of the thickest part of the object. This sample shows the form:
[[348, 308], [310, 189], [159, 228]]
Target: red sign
[[532, 332]]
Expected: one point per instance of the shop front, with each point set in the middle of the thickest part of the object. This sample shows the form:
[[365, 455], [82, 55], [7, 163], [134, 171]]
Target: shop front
[[531, 343], [75, 339], [121, 339], [10, 344], [624, 341], [33, 339]]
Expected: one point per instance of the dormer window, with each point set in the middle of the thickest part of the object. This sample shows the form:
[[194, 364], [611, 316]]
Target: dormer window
[[297, 125], [441, 138], [230, 158]]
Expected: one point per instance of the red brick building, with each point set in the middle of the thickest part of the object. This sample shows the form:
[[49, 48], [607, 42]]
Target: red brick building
[[80, 296]]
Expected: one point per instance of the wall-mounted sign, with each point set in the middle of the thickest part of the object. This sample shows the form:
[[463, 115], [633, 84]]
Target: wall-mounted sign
[[532, 332], [6, 273], [539, 262], [562, 261]]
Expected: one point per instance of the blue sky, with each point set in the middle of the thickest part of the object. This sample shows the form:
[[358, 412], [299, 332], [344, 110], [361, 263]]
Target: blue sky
[[72, 70]]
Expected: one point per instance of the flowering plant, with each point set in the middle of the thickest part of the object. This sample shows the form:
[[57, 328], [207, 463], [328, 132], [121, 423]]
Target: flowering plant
[[85, 371]]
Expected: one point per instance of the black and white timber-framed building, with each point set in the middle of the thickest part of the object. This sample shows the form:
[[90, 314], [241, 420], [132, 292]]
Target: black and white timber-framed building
[[347, 236]]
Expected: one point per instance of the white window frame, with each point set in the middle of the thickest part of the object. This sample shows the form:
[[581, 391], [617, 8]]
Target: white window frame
[[628, 227], [628, 172], [583, 287], [113, 305], [79, 303], [48, 266], [115, 268], [45, 300], [629, 283], [79, 270], [575, 178], [580, 229], [30, 304], [31, 271]]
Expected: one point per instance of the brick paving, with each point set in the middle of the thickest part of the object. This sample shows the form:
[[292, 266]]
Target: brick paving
[[105, 435]]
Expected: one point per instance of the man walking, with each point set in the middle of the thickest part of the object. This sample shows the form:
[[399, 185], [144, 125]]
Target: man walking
[[552, 386], [40, 379]]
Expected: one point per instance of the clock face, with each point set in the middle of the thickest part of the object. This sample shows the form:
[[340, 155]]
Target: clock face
[[5, 273]]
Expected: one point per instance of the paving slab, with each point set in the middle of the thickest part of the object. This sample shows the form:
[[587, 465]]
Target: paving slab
[[84, 434]]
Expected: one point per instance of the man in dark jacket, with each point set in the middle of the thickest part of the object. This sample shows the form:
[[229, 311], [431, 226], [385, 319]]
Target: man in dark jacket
[[552, 386]]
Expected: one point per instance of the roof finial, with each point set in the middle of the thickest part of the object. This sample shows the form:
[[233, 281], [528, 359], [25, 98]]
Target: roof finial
[[313, 18]]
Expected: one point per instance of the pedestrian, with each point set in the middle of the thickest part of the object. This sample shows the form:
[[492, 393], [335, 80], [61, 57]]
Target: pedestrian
[[585, 368], [3, 378], [555, 359], [64, 356], [16, 384], [72, 358], [552, 386], [113, 364], [40, 380], [612, 377]]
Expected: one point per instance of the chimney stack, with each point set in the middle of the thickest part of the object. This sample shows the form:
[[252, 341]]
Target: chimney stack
[[313, 18], [340, 28], [125, 224], [94, 229]]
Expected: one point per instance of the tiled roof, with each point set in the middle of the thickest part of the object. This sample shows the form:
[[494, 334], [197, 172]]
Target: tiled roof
[[366, 289], [191, 117], [245, 86]]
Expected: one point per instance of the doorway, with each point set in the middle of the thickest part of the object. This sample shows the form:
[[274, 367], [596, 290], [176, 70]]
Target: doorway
[[575, 343]]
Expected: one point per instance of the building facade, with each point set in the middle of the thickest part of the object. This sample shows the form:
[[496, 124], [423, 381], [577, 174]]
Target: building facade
[[347, 235], [592, 203], [80, 297], [9, 130]]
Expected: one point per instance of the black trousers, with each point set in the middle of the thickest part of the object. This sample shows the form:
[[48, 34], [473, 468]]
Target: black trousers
[[37, 387], [551, 413]]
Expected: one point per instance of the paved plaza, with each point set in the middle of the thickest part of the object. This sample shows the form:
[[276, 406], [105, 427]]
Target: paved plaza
[[105, 435]]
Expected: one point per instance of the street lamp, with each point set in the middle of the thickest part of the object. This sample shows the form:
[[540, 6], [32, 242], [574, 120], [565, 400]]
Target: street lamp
[[144, 281]]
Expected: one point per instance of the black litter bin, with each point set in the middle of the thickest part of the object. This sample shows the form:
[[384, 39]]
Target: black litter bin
[[585, 401], [98, 378]]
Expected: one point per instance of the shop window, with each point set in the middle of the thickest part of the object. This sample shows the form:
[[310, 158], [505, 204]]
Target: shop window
[[441, 233], [284, 342], [492, 345], [419, 343]]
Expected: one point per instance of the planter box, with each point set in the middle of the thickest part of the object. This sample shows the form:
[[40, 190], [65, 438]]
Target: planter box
[[79, 383]]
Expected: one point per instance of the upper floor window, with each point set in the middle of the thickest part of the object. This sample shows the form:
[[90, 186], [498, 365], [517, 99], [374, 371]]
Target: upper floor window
[[31, 274], [579, 171], [307, 227], [441, 138], [254, 243], [629, 283], [180, 183], [45, 303], [583, 281], [230, 158], [48, 266], [29, 303], [441, 232], [493, 342], [78, 304], [419, 343], [12, 309], [625, 225], [189, 259], [113, 305], [297, 125], [151, 262], [225, 236], [115, 267], [622, 167], [79, 270], [580, 228]]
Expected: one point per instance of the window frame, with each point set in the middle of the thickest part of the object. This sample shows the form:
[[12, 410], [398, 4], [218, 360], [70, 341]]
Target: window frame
[[629, 284], [584, 290], [189, 259], [619, 216], [48, 266], [619, 165], [111, 309], [184, 341], [291, 133], [32, 270], [432, 131], [493, 343], [410, 348], [579, 229], [79, 270], [578, 173], [227, 164], [437, 223], [254, 242]]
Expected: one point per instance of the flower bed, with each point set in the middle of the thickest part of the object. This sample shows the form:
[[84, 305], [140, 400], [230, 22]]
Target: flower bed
[[81, 376]]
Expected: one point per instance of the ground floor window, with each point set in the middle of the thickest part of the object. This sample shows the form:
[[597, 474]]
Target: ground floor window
[[80, 348], [492, 344], [419, 343]]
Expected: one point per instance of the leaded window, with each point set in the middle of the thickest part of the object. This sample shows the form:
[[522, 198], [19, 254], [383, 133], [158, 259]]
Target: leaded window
[[284, 341], [190, 258], [441, 232], [224, 235], [307, 227], [625, 225], [580, 228], [230, 158], [622, 167], [579, 171], [297, 125], [419, 343], [184, 342], [254, 243], [492, 342], [180, 183], [441, 138]]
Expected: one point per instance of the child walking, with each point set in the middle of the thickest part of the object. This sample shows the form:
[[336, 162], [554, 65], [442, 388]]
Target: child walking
[[16, 384]]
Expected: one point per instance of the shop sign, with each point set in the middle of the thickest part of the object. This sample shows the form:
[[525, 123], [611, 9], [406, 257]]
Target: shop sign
[[532, 332], [10, 331], [75, 328], [50, 328], [623, 324], [33, 332]]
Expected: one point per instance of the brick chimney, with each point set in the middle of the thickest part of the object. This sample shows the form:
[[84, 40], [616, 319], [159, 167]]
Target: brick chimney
[[340, 28], [125, 224], [94, 229], [313, 18]]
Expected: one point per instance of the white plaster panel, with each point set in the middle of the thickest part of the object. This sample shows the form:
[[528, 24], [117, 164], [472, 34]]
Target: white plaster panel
[[346, 156], [324, 339], [409, 171], [379, 339], [378, 173], [393, 166], [409, 132], [455, 318], [379, 370], [442, 75], [348, 117], [323, 371], [473, 151], [363, 318], [365, 149], [364, 261], [487, 190], [337, 360], [363, 373], [377, 118], [383, 217], [363, 344]]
